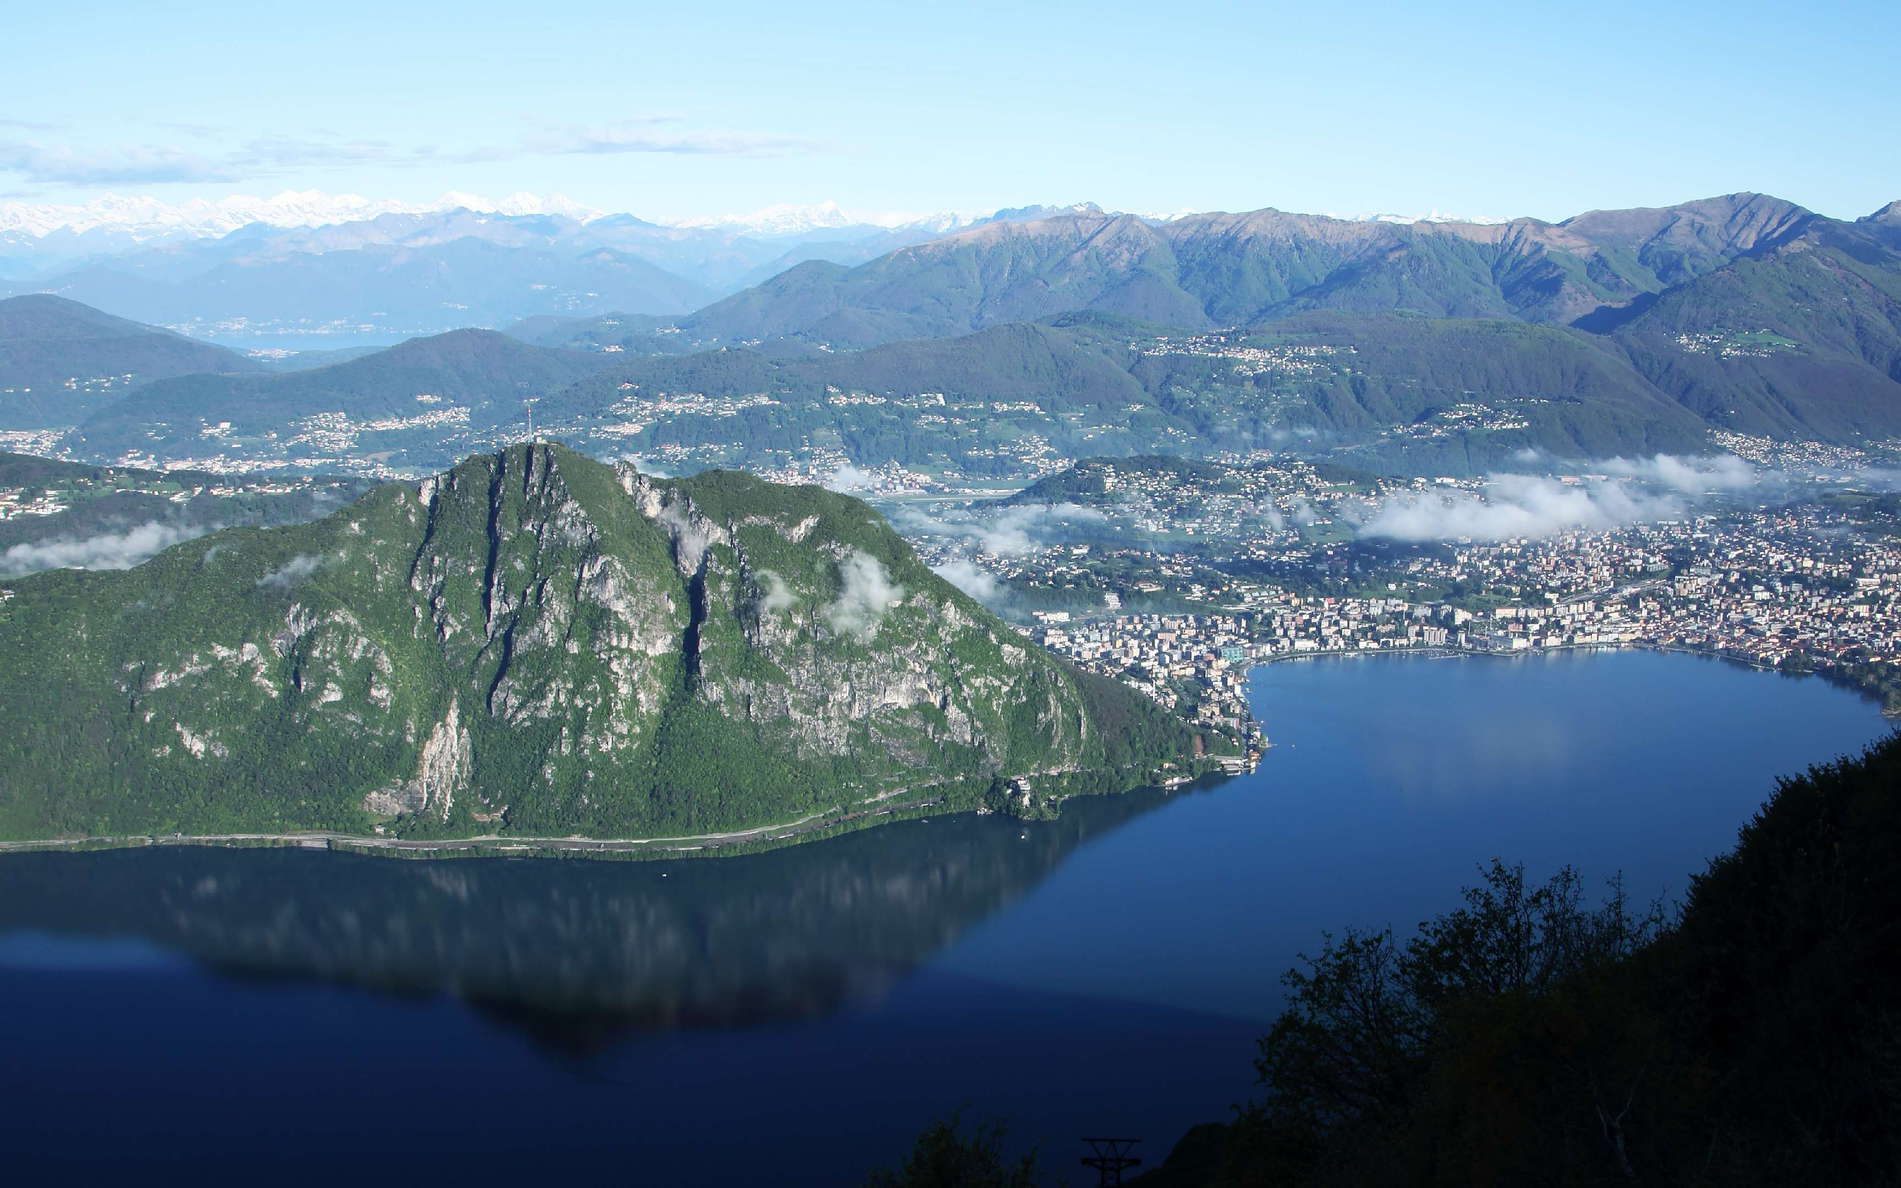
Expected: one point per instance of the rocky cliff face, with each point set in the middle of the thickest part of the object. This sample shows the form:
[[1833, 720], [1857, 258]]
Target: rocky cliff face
[[532, 643]]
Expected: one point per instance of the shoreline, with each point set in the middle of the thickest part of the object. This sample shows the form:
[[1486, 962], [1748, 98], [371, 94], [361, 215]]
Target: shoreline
[[813, 827], [869, 814], [1454, 653], [492, 845]]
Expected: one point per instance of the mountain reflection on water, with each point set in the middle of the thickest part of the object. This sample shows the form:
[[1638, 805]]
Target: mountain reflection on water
[[575, 953]]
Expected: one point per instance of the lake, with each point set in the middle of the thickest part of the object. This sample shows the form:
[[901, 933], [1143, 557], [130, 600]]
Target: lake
[[796, 1017]]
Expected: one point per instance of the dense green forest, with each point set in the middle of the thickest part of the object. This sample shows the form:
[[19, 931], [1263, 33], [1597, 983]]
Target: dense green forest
[[1534, 1037]]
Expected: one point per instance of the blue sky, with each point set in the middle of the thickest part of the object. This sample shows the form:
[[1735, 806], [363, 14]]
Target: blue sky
[[1478, 109]]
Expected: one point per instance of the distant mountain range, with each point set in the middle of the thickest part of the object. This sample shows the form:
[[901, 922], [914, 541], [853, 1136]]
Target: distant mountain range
[[1752, 313], [311, 269], [144, 219], [1209, 270], [1035, 338]]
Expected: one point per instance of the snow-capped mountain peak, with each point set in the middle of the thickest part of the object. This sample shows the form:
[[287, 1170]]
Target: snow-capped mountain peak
[[787, 218], [143, 218], [1432, 216]]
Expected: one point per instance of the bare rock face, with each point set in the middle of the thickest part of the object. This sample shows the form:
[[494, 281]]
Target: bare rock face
[[444, 769]]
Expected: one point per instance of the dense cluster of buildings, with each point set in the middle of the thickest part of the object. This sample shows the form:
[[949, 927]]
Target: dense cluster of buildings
[[1194, 663], [44, 499], [15, 502], [1796, 588]]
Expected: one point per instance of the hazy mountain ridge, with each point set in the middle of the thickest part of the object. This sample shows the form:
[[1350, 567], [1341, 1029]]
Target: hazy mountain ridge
[[313, 264], [117, 517], [445, 387], [47, 343], [143, 217], [388, 289], [1388, 392], [1685, 294]]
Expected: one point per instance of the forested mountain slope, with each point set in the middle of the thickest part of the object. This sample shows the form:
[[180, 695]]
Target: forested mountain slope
[[536, 643], [1391, 391], [424, 390], [60, 360]]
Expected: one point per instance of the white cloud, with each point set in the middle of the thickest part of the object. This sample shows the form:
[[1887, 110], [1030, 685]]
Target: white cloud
[[108, 550], [129, 165], [690, 541], [1689, 474], [867, 593], [646, 466], [291, 572], [779, 597], [1514, 505], [152, 164], [1005, 532], [848, 478], [1874, 476], [640, 137], [1265, 510], [973, 579], [1518, 505]]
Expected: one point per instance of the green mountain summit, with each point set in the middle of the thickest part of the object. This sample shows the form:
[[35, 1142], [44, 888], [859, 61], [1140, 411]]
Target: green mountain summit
[[537, 644]]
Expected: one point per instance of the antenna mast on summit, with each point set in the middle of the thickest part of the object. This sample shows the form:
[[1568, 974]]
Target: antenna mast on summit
[[529, 404], [1112, 1157]]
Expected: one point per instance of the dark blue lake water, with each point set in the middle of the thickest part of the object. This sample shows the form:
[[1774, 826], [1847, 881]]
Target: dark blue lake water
[[796, 1017]]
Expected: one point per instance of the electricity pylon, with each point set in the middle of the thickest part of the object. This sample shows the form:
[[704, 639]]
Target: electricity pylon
[[1111, 1159]]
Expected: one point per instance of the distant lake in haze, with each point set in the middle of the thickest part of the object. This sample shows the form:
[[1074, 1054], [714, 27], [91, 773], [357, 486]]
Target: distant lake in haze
[[796, 1017]]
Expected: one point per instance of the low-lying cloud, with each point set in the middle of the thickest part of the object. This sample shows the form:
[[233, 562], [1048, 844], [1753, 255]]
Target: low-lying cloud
[[777, 597], [646, 466], [1008, 532], [1691, 475], [848, 478], [1515, 505], [291, 572], [1521, 505], [690, 540], [973, 579], [108, 550], [867, 593]]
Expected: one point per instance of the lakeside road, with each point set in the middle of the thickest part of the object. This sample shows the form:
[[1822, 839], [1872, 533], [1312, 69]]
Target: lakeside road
[[884, 804], [498, 843]]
